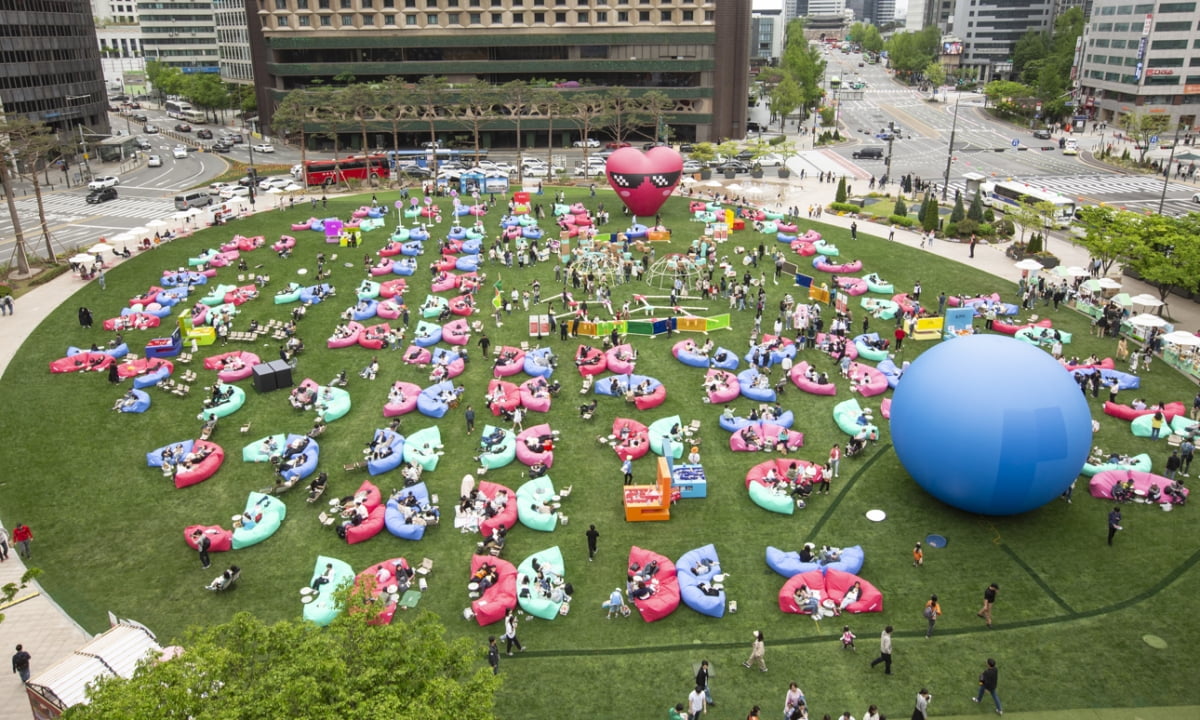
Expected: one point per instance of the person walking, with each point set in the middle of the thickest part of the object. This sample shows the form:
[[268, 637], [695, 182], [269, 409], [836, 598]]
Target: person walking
[[627, 469], [697, 705], [1173, 464], [22, 536], [931, 612], [493, 655], [470, 418], [885, 651], [20, 661], [988, 680], [702, 682], [510, 632], [921, 711], [835, 459], [203, 543], [758, 652], [484, 344], [989, 599], [592, 535], [1114, 524], [1187, 450]]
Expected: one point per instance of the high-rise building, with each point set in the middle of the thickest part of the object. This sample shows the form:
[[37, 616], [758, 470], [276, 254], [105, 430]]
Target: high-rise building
[[51, 62], [694, 51], [990, 29], [233, 41], [1143, 58], [925, 13], [180, 33], [885, 12], [120, 39], [767, 27]]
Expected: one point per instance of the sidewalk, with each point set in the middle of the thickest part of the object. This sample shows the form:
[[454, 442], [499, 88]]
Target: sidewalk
[[49, 634]]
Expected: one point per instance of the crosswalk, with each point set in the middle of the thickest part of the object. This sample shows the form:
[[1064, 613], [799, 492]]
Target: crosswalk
[[1109, 188], [63, 208]]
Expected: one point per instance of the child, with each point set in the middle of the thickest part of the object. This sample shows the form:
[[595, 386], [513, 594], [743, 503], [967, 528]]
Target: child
[[918, 556], [847, 638]]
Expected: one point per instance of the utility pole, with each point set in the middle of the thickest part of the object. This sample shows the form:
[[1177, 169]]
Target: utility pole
[[950, 149], [887, 163], [1167, 175]]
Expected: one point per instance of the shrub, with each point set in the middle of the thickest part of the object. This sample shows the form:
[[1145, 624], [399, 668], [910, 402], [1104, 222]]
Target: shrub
[[901, 208], [929, 214], [975, 212], [967, 226], [985, 230], [902, 220], [844, 207], [1035, 244], [47, 275], [1004, 228], [841, 190], [989, 216], [951, 229], [958, 213]]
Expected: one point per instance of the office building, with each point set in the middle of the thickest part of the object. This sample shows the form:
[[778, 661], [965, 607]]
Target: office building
[[51, 64], [1141, 57], [180, 33], [925, 13], [767, 34], [233, 41], [884, 12], [695, 51], [990, 29]]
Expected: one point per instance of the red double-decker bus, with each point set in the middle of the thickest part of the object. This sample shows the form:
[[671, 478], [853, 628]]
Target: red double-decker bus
[[355, 167]]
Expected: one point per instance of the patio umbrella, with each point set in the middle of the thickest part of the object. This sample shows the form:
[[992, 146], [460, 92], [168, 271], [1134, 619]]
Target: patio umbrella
[[1108, 283], [1071, 271], [1147, 300], [157, 225], [1147, 320], [141, 231], [100, 247], [1122, 299], [1182, 337], [82, 259], [1028, 264]]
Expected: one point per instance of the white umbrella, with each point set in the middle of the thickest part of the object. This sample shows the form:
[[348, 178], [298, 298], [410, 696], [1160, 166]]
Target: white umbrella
[[1028, 264], [1108, 283], [82, 259], [156, 225], [1182, 337], [121, 239], [1071, 271], [1147, 320], [274, 191], [1147, 300], [100, 247], [181, 215]]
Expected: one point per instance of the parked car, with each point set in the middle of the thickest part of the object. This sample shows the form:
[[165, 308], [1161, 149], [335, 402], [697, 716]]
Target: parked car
[[744, 156], [652, 145], [264, 148], [586, 142], [101, 195], [154, 161], [204, 134], [277, 181], [179, 151], [685, 148], [692, 166], [770, 160], [414, 171], [216, 187], [1042, 133], [104, 181], [183, 127], [150, 129], [736, 166], [617, 144], [233, 191]]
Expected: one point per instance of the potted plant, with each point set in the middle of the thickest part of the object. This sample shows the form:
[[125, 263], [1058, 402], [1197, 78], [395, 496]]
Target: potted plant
[[704, 153], [788, 151], [756, 171]]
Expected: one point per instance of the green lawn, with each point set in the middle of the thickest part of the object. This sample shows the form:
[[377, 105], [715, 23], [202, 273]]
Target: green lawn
[[1069, 619]]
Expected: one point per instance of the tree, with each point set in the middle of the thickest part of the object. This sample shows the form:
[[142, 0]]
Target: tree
[[1024, 216], [655, 105], [872, 41], [841, 190], [621, 113], [552, 104], [297, 670], [929, 214], [1111, 234], [28, 143], [1001, 93], [166, 80], [935, 75], [975, 212], [958, 213], [909, 53], [290, 117], [703, 153], [428, 97], [207, 90], [901, 208], [10, 590], [517, 97], [1167, 255], [394, 93], [1140, 127], [474, 107], [586, 111], [805, 64], [365, 103], [784, 98]]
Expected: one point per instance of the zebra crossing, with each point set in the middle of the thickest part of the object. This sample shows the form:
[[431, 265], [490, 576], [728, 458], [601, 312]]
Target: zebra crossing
[[1109, 188], [64, 208]]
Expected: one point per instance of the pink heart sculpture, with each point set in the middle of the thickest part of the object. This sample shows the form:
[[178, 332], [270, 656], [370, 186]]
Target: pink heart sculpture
[[644, 180]]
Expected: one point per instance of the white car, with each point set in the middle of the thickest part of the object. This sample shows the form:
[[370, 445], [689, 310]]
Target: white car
[[692, 166], [279, 181], [154, 161], [588, 142], [263, 148], [178, 152], [104, 181], [217, 187], [232, 191], [770, 160]]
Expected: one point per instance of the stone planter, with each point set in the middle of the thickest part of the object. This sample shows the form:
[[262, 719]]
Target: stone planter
[[706, 174], [757, 174], [784, 172]]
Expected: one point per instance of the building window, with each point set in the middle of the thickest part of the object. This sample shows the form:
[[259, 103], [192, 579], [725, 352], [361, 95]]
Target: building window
[[389, 4], [326, 21], [301, 4], [581, 17], [1177, 7], [1173, 26], [451, 18], [689, 16], [302, 21], [431, 18], [347, 4], [281, 4], [644, 16], [368, 19], [476, 18], [281, 21], [1143, 9], [1104, 27], [410, 3], [367, 4], [1165, 62], [323, 4], [1121, 27], [622, 16], [539, 18], [451, 3], [560, 17], [347, 20], [664, 16], [601, 16], [1125, 10], [518, 18], [1168, 44], [389, 19], [1109, 10], [1100, 42], [410, 20]]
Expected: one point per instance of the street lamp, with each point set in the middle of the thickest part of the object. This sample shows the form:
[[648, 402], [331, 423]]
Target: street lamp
[[950, 149]]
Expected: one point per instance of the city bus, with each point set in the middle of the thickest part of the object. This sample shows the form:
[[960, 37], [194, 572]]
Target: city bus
[[181, 110], [355, 167], [1002, 195], [422, 157], [835, 82]]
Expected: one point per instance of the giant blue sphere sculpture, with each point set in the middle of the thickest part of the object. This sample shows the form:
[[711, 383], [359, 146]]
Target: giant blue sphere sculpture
[[990, 425]]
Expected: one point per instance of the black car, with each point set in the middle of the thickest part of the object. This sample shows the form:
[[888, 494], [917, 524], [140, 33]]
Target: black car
[[686, 147], [139, 117], [183, 127], [221, 147], [142, 144], [102, 195], [204, 134], [735, 166], [745, 155], [1042, 134]]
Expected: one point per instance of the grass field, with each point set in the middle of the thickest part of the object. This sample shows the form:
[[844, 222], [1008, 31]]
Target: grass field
[[1069, 619]]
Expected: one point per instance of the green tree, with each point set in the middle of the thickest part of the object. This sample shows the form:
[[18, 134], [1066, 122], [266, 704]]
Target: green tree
[[429, 100], [784, 98], [208, 91], [291, 117], [958, 213], [841, 190], [1032, 47], [1024, 216], [703, 153], [517, 99], [1111, 234], [587, 110], [393, 93], [975, 212], [901, 208], [1003, 93], [10, 590], [655, 106], [804, 63], [872, 40], [474, 107], [622, 114], [909, 53], [929, 214], [1167, 255], [29, 144], [1140, 127], [935, 75], [165, 79], [551, 104], [294, 669]]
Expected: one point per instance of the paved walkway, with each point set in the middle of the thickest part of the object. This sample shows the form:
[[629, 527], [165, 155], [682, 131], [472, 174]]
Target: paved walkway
[[49, 634]]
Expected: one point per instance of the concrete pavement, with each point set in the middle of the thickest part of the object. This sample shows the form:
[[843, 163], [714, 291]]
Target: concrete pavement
[[49, 634]]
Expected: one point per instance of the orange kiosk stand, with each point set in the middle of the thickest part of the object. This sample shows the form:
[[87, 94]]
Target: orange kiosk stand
[[645, 503]]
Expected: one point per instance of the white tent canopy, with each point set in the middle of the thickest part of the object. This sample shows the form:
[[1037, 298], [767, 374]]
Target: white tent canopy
[[1147, 320], [1182, 337], [1147, 300]]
